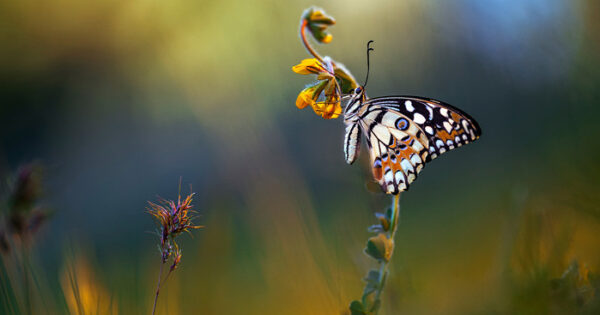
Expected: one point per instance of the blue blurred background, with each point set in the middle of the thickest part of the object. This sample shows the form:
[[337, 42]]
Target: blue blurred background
[[119, 100]]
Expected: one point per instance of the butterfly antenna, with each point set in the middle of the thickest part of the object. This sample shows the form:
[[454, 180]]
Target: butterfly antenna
[[369, 49]]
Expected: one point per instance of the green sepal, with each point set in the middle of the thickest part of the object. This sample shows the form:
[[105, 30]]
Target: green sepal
[[345, 79]]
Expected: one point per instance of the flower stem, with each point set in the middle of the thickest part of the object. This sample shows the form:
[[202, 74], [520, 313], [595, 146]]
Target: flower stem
[[306, 43], [162, 264], [390, 233]]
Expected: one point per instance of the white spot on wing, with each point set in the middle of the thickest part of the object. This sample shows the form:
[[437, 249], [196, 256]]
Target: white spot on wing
[[457, 141], [430, 112], [389, 177], [409, 107], [415, 159], [399, 177], [402, 185], [447, 126], [465, 124], [439, 143], [411, 178], [429, 130], [406, 166], [418, 118], [417, 146], [444, 112]]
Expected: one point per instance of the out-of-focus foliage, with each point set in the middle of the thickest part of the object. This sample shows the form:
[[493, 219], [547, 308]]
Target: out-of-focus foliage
[[83, 291]]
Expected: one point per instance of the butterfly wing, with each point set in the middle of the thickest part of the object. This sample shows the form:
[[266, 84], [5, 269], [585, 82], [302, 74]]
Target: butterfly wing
[[446, 126], [351, 142], [397, 147], [403, 133]]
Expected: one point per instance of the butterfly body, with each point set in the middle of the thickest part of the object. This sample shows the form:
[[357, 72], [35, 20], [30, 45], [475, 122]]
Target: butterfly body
[[402, 134]]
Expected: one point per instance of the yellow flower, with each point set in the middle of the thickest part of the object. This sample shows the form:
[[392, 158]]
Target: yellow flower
[[309, 95], [317, 21], [332, 79], [331, 108], [326, 89], [328, 109], [309, 66]]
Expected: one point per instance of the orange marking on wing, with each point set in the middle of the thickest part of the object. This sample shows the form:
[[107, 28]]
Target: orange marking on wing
[[456, 117], [377, 172], [445, 136], [406, 153]]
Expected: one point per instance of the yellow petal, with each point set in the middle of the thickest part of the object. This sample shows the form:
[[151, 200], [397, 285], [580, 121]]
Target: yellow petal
[[317, 108], [319, 16], [309, 95], [308, 66], [333, 111], [304, 99], [329, 109], [327, 39], [325, 76]]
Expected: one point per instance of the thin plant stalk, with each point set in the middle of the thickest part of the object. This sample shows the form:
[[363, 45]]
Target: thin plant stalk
[[162, 264], [306, 43], [380, 248], [26, 281], [391, 233]]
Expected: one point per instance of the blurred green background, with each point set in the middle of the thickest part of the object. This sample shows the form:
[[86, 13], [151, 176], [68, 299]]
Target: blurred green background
[[119, 99]]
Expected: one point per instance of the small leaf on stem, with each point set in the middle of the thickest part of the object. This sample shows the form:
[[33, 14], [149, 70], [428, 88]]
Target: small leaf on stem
[[380, 247], [357, 308]]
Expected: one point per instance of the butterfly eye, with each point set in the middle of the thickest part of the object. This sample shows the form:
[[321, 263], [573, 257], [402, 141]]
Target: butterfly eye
[[358, 90]]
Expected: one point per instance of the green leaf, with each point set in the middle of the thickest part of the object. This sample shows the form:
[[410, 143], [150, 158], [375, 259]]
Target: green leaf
[[384, 221], [380, 247], [376, 228], [357, 308]]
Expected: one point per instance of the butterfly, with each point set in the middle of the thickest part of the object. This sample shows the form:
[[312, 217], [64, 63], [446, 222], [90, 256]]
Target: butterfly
[[403, 133]]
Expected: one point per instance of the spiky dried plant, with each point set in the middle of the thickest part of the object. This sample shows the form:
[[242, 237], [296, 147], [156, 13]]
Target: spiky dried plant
[[173, 219]]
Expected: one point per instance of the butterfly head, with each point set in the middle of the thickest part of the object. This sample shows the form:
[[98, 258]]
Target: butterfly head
[[356, 99], [358, 96]]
